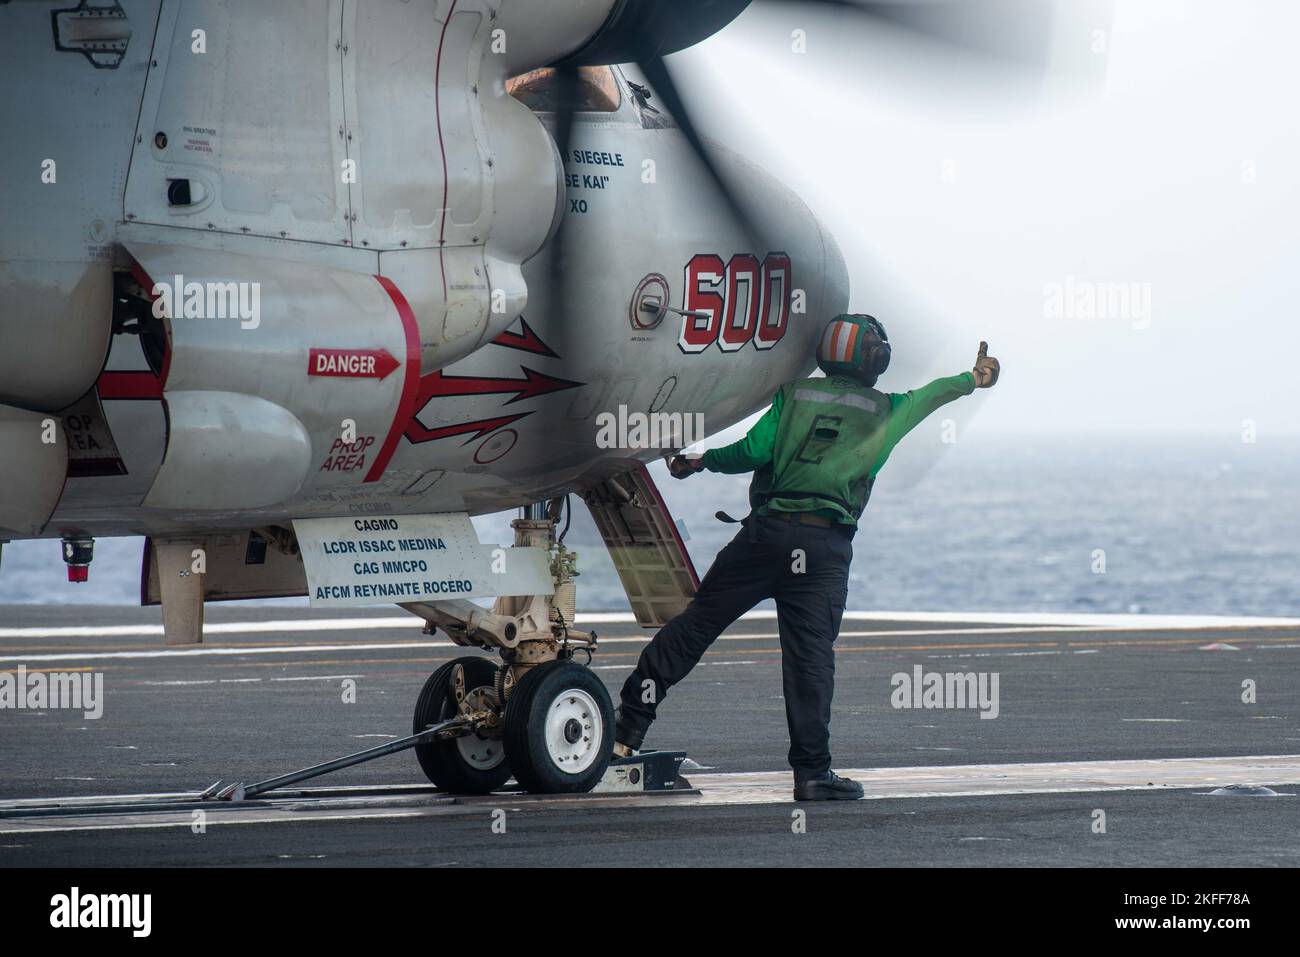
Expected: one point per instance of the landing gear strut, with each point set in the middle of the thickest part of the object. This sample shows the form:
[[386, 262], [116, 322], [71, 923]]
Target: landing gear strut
[[541, 715]]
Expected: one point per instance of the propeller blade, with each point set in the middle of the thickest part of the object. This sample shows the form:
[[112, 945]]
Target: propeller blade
[[1016, 31], [660, 77], [567, 95], [982, 52], [566, 103], [638, 30]]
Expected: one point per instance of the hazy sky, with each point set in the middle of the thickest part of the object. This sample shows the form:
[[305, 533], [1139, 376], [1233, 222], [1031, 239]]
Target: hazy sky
[[955, 212], [958, 210]]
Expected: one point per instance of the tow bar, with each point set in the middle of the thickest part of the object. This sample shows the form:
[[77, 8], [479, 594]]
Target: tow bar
[[647, 771], [236, 791], [650, 772]]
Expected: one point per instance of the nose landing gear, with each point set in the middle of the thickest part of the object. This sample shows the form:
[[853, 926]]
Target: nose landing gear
[[541, 716], [555, 734]]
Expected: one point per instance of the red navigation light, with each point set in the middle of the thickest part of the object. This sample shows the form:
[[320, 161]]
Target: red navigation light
[[78, 550]]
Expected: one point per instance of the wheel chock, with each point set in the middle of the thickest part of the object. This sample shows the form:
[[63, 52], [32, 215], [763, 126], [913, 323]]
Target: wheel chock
[[645, 771]]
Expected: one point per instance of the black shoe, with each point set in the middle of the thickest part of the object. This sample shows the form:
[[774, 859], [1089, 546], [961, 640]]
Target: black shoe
[[830, 788]]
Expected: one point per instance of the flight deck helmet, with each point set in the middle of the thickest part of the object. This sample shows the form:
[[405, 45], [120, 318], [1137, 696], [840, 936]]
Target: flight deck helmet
[[856, 346]]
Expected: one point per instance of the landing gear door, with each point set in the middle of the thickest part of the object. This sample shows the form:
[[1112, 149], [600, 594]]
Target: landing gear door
[[645, 546]]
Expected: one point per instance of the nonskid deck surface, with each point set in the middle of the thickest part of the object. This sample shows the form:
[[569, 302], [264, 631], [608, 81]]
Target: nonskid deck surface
[[1137, 717], [117, 812]]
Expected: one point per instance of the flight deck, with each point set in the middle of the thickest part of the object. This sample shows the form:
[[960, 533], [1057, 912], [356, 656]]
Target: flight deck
[[1133, 721]]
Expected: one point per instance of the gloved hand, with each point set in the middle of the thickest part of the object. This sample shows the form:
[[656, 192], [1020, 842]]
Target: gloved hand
[[986, 368], [680, 466]]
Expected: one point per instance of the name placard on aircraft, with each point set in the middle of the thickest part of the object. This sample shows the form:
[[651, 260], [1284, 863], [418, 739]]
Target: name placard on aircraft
[[409, 558]]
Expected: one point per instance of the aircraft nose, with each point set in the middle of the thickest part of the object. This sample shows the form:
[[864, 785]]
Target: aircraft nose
[[784, 222], [835, 273]]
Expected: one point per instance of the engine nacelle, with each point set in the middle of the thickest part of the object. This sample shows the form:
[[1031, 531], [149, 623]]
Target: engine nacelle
[[275, 371], [229, 450]]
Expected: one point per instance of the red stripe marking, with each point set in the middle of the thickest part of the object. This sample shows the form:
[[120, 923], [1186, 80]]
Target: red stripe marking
[[129, 385], [142, 277], [410, 385]]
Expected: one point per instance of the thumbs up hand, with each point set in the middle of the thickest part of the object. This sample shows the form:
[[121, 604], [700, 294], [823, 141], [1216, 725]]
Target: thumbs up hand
[[986, 368]]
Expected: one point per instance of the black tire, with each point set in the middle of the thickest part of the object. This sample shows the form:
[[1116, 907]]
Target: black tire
[[445, 762], [585, 737]]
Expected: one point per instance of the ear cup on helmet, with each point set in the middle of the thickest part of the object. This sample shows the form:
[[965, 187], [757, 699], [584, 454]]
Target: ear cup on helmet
[[880, 356], [876, 350]]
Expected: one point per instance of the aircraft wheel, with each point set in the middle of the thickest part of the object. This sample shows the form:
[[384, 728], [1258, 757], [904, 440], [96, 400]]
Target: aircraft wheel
[[473, 763], [559, 729]]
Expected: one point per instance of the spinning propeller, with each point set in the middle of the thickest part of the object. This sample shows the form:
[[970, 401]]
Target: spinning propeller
[[956, 44]]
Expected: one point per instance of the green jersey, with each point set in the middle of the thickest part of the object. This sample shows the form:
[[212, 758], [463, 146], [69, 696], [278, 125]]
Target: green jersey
[[822, 442]]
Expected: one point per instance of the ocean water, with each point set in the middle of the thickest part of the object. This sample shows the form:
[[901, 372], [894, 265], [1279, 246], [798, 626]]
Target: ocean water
[[992, 523]]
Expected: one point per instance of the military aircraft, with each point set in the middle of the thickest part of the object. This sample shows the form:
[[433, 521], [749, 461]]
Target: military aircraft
[[294, 289]]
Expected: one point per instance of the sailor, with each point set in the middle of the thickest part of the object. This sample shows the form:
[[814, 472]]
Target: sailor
[[815, 455]]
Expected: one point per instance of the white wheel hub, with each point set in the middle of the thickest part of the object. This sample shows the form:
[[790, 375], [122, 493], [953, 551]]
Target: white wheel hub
[[479, 752], [574, 731], [482, 754]]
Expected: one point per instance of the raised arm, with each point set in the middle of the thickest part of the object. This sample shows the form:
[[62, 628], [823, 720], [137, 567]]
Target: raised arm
[[908, 409]]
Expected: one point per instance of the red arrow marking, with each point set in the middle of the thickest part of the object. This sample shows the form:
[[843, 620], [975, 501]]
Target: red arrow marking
[[531, 385], [415, 432], [352, 363], [527, 340]]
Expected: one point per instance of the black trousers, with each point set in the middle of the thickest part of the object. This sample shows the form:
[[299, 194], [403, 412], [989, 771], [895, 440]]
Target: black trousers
[[806, 569]]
